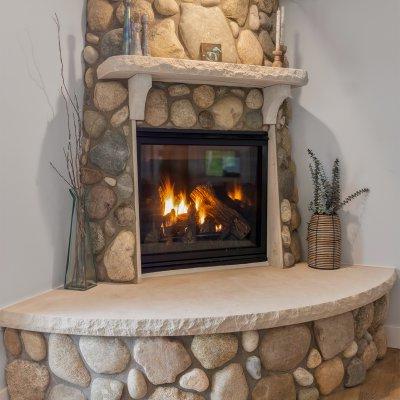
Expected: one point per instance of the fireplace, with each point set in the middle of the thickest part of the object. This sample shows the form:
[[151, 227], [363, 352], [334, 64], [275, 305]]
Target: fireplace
[[202, 198]]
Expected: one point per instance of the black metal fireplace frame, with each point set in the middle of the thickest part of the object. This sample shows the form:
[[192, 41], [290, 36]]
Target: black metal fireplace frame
[[201, 258]]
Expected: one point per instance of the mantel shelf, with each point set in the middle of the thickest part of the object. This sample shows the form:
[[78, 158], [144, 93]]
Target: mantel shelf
[[200, 72]]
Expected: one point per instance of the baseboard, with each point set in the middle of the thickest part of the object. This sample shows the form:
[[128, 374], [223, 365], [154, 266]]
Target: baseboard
[[393, 335], [3, 394]]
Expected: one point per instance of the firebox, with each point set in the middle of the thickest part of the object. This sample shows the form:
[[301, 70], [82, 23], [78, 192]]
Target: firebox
[[202, 198]]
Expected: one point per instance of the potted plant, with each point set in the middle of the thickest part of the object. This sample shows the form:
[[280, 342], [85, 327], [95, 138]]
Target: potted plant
[[324, 228]]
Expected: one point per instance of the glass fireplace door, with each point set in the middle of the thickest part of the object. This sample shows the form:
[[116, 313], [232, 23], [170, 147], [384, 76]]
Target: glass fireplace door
[[202, 198]]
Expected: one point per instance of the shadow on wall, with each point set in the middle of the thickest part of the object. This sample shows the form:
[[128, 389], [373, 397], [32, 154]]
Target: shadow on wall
[[310, 132], [55, 199]]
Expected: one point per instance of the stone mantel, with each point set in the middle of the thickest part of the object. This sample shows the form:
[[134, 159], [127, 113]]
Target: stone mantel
[[205, 302], [200, 72]]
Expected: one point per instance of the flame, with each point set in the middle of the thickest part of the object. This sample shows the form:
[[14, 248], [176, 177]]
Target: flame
[[218, 228], [171, 202], [236, 193], [202, 215]]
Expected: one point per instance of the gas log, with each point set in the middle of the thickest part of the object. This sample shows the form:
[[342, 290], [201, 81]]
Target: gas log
[[230, 219]]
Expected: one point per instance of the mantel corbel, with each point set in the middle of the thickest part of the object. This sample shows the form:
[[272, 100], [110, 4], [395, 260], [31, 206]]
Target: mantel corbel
[[138, 86], [274, 96]]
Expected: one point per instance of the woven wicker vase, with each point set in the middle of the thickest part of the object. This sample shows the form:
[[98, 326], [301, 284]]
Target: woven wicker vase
[[324, 242]]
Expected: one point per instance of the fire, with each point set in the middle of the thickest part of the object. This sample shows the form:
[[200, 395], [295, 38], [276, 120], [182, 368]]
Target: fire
[[170, 201], [202, 215], [218, 228], [236, 193]]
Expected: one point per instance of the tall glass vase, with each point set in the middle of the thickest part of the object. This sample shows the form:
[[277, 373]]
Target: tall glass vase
[[80, 271]]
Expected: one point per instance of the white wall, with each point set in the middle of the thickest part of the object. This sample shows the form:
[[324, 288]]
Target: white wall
[[351, 110], [34, 205]]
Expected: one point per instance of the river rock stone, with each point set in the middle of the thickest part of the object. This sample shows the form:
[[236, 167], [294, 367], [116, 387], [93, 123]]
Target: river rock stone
[[156, 111], [99, 14], [139, 7], [118, 258], [369, 355], [254, 19], [308, 394], [314, 359], [12, 342], [204, 96], [63, 392], [99, 201], [213, 29], [229, 383], [283, 349], [90, 55], [351, 350], [109, 389], [111, 43], [111, 153], [254, 99], [95, 123], [227, 111], [89, 78], [109, 228], [286, 183], [120, 117], [329, 375], [381, 307], [91, 176], [285, 234], [286, 211], [213, 351], [196, 380], [265, 21], [163, 41], [266, 44], [380, 340], [288, 259], [334, 334], [66, 362], [275, 387], [96, 237], [267, 6], [109, 95], [162, 359], [125, 215], [183, 114], [104, 355], [295, 221], [125, 186], [253, 367], [92, 38], [210, 3], [362, 345], [166, 7], [35, 345], [363, 320], [178, 90], [249, 48], [303, 377], [235, 9], [355, 373], [234, 28], [26, 380], [254, 120], [250, 340], [137, 386], [172, 393], [206, 119]]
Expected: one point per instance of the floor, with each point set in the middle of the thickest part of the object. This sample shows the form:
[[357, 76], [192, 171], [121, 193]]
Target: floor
[[382, 383]]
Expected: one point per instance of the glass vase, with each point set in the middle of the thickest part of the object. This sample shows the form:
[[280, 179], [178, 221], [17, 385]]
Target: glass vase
[[80, 271]]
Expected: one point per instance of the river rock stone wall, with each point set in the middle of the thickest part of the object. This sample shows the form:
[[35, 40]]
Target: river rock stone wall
[[246, 29], [302, 362]]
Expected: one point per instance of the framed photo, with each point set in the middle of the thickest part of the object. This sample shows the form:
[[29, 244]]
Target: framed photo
[[211, 52]]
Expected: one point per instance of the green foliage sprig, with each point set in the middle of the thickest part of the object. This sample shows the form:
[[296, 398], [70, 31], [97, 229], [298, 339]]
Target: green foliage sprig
[[327, 193]]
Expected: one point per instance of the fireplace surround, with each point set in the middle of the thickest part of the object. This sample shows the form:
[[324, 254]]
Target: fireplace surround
[[202, 197]]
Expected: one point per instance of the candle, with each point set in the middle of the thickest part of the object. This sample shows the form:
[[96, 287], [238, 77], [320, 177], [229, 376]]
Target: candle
[[278, 30], [282, 38]]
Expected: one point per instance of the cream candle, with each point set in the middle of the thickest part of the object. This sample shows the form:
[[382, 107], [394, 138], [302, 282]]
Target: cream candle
[[278, 29]]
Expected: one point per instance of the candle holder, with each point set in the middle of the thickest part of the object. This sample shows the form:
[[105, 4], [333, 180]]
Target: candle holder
[[278, 53]]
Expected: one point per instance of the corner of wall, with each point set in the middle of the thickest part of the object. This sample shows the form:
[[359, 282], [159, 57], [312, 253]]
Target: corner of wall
[[393, 336]]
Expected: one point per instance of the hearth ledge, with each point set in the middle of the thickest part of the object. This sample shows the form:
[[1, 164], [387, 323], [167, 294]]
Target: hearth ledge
[[207, 302]]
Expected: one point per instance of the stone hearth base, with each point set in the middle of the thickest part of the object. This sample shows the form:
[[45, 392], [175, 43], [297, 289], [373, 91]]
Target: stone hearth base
[[301, 361]]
